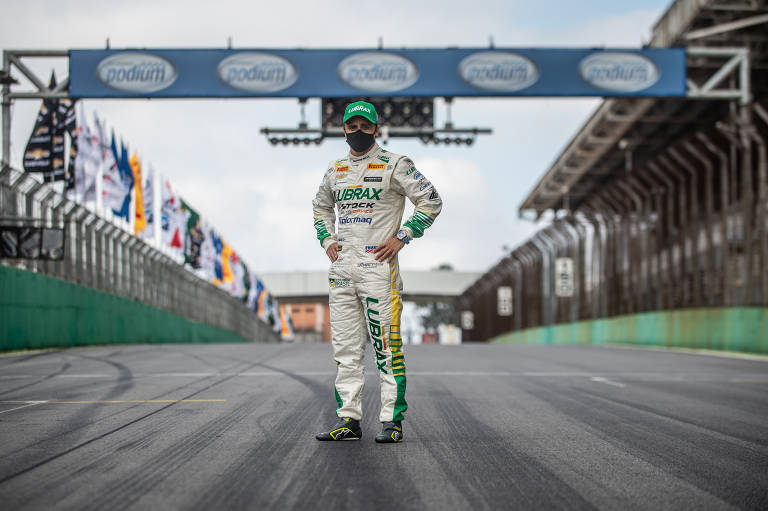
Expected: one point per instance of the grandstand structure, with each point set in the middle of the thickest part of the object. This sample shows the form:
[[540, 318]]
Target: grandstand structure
[[657, 204]]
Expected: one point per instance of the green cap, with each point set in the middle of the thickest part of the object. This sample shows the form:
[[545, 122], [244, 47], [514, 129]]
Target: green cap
[[363, 109]]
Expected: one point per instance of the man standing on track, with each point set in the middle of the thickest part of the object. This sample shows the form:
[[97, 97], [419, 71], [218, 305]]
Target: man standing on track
[[368, 189]]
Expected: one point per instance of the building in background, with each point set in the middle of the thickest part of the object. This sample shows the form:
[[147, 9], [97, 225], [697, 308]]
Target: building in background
[[311, 321]]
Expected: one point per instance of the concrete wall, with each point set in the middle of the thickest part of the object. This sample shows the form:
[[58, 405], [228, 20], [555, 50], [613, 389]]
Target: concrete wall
[[736, 329], [40, 311]]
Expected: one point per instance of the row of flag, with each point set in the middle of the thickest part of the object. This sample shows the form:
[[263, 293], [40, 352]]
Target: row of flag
[[99, 173]]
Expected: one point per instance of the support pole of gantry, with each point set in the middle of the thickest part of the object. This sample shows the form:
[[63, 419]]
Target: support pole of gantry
[[6, 109]]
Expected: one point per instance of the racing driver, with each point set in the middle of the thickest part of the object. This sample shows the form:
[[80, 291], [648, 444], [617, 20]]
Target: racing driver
[[368, 188]]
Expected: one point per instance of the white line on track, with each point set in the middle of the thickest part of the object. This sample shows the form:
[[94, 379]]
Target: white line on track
[[459, 373], [83, 375], [600, 379], [30, 403]]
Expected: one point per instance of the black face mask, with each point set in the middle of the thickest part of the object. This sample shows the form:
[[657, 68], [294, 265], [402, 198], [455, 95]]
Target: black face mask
[[360, 141]]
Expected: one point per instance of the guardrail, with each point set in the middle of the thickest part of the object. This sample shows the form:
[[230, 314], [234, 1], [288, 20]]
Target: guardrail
[[101, 254]]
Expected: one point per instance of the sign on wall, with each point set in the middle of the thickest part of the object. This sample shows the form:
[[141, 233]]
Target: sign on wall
[[467, 320], [504, 300], [349, 72], [564, 277]]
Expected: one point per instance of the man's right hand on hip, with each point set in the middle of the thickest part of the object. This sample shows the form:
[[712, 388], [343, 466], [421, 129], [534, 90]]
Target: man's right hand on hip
[[333, 252]]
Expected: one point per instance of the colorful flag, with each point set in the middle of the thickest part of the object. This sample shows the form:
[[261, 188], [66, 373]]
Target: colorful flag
[[173, 221], [208, 254], [262, 302], [274, 317], [286, 324], [237, 289], [246, 280], [253, 293], [226, 267], [140, 221], [86, 148], [66, 121], [218, 246], [126, 178], [115, 188], [149, 204], [45, 148], [194, 236]]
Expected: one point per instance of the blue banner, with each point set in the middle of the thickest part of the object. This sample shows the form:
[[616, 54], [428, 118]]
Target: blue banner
[[151, 73]]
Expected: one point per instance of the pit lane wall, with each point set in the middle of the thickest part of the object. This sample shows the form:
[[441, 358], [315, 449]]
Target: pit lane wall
[[38, 311], [743, 329]]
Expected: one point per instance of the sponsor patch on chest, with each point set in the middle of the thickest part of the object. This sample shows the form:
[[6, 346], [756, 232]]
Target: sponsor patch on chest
[[376, 166], [372, 179]]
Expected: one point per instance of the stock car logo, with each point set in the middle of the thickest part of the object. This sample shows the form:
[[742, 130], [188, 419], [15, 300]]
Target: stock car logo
[[257, 72], [498, 71], [378, 71], [136, 72], [619, 72]]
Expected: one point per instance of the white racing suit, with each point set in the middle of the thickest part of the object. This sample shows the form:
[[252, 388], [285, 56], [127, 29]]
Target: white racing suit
[[369, 193]]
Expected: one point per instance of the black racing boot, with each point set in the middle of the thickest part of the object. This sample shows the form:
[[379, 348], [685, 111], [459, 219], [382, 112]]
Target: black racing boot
[[345, 429], [391, 433]]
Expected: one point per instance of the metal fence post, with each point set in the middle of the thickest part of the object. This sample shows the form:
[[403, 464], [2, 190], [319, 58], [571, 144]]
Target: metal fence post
[[725, 282]]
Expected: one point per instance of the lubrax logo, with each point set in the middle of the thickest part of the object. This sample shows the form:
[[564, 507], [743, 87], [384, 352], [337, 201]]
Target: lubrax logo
[[357, 193], [358, 108], [374, 327], [372, 179]]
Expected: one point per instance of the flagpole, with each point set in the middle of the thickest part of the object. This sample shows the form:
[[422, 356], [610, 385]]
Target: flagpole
[[6, 115], [100, 172], [156, 207]]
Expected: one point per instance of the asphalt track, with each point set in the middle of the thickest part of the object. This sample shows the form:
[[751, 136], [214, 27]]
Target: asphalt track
[[208, 427]]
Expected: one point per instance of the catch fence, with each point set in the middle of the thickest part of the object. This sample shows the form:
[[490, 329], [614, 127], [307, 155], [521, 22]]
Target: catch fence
[[99, 253]]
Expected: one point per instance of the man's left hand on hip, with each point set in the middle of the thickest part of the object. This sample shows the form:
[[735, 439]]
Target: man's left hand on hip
[[388, 250]]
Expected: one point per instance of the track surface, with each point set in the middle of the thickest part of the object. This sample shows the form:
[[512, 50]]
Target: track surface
[[489, 427]]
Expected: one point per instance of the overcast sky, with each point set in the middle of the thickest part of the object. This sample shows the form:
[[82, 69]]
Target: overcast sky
[[259, 196]]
